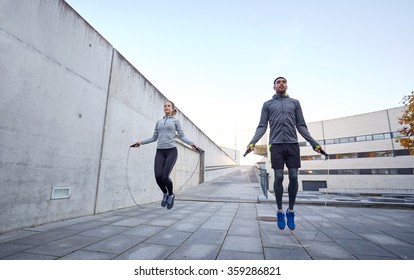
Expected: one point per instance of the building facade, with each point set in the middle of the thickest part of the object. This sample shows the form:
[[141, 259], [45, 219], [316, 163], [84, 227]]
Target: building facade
[[363, 155]]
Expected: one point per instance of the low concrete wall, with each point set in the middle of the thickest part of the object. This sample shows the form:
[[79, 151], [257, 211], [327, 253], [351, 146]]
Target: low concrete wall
[[70, 106]]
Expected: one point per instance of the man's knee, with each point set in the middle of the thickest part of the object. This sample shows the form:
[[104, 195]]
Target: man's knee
[[293, 174], [279, 174]]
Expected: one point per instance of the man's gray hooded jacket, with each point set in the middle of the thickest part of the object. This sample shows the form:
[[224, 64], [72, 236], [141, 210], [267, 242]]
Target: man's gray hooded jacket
[[284, 116]]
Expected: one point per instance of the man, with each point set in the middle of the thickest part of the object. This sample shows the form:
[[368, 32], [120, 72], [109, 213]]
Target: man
[[284, 116]]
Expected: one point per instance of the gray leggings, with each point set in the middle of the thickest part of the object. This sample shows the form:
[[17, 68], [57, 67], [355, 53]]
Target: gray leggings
[[292, 188], [163, 164]]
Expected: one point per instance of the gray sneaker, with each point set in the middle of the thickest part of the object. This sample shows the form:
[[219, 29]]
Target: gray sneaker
[[170, 201], [164, 200]]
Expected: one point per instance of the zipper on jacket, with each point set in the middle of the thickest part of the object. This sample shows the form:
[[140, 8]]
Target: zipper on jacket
[[284, 118]]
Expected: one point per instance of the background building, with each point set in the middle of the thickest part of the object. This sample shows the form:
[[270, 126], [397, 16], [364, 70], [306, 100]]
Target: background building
[[363, 155]]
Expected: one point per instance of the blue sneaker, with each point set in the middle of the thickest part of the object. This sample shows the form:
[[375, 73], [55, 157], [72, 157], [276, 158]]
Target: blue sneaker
[[281, 224], [290, 217], [170, 201], [164, 200]]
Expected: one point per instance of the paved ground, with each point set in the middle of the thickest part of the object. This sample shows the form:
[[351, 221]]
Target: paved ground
[[228, 218]]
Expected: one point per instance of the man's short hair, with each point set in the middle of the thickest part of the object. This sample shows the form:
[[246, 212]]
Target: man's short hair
[[279, 78]]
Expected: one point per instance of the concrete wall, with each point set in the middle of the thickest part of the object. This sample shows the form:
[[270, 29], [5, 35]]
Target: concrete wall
[[70, 106]]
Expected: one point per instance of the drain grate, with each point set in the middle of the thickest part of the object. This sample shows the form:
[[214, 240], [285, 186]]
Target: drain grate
[[266, 219]]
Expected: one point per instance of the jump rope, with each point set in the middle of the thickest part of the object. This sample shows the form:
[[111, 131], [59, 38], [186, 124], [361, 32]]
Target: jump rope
[[247, 152], [127, 177], [323, 216]]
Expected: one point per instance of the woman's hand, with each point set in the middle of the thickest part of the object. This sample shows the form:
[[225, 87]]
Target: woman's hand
[[136, 145]]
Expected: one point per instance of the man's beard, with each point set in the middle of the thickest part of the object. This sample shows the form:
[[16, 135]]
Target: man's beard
[[281, 92]]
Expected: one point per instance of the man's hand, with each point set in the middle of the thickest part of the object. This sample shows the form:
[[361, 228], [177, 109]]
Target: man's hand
[[249, 149], [318, 149]]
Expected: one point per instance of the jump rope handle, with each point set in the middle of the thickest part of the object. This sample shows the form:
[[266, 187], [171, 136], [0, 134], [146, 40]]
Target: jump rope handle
[[250, 148], [322, 152], [135, 145], [247, 152]]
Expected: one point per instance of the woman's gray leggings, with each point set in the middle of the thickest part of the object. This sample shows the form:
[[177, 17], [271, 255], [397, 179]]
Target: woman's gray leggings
[[163, 164]]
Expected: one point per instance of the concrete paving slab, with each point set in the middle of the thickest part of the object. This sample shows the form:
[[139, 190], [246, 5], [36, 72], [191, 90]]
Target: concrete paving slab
[[46, 236], [243, 244], [328, 251], [363, 247], [132, 222], [147, 251], [8, 249], [286, 254], [244, 227], [207, 236], [88, 255], [104, 231], [29, 256], [169, 237], [64, 246], [237, 255], [144, 230], [218, 223], [86, 225], [189, 225], [116, 244], [195, 251]]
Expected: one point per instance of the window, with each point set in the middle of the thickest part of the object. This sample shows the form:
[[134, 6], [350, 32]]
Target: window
[[344, 140], [405, 171], [393, 171], [361, 138], [363, 155], [402, 152], [383, 171], [306, 172], [378, 136], [396, 134], [379, 171], [384, 154]]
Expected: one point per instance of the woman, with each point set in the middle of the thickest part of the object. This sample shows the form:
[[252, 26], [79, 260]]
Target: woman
[[166, 155]]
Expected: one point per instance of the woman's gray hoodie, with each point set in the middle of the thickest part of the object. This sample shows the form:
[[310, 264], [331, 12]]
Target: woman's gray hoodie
[[165, 133]]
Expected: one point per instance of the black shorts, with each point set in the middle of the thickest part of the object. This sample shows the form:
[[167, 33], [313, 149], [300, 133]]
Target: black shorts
[[288, 153]]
